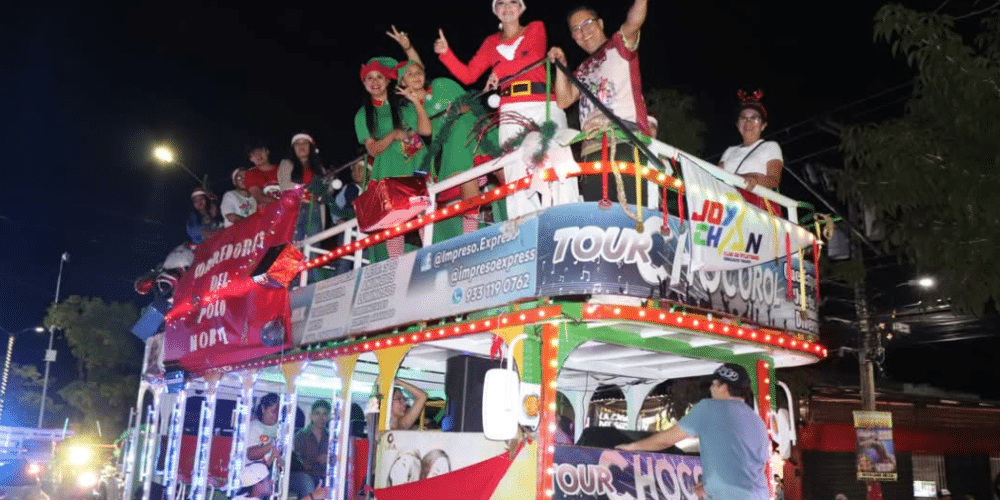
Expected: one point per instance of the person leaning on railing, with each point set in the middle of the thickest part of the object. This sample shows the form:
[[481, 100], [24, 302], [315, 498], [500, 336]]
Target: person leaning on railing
[[759, 162]]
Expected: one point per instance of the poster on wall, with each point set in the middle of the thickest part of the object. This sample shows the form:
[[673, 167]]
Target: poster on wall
[[593, 473], [876, 457]]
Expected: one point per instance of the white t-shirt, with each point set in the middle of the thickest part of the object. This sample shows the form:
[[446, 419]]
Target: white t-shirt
[[235, 203], [756, 163], [259, 434]]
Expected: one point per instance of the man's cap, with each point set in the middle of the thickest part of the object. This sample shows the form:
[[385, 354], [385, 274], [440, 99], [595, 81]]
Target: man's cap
[[253, 474], [732, 374]]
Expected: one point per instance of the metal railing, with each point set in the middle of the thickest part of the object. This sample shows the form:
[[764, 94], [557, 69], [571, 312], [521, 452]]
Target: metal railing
[[654, 152]]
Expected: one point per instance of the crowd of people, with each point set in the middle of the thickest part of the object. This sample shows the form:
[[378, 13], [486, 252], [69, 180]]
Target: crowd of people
[[411, 123]]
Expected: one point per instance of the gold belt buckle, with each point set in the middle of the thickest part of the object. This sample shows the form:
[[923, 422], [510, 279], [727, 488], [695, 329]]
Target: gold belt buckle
[[516, 88]]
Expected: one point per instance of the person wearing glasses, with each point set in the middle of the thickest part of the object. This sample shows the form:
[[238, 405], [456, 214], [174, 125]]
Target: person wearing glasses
[[758, 161], [611, 73], [405, 416]]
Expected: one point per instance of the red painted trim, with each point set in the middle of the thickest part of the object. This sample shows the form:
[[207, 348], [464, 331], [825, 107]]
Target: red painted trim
[[841, 437]]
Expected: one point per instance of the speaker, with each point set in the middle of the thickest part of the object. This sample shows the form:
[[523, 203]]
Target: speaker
[[463, 385]]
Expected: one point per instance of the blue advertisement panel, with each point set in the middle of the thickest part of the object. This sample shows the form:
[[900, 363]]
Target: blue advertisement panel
[[593, 473], [584, 249], [489, 267]]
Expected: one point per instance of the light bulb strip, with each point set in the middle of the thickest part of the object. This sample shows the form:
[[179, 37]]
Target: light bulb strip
[[706, 324], [515, 318]]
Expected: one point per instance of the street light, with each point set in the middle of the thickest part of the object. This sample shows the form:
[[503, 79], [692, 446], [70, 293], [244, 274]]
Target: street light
[[6, 364], [165, 155], [925, 282], [50, 354]]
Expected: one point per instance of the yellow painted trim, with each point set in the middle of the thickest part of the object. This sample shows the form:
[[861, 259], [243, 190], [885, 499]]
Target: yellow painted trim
[[388, 364]]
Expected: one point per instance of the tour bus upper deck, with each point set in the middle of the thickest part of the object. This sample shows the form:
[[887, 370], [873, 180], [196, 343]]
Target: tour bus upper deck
[[606, 296]]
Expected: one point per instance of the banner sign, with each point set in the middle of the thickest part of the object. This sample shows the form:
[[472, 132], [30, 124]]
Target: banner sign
[[584, 249], [578, 249], [875, 451], [592, 473], [219, 312], [488, 268], [726, 231]]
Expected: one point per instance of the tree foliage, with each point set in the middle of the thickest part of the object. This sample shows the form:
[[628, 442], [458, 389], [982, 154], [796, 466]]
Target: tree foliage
[[108, 358], [930, 175], [24, 395], [679, 126]]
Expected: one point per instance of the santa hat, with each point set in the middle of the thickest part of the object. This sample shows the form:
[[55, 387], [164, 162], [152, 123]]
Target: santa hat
[[518, 1], [253, 474], [199, 192], [302, 135], [384, 65]]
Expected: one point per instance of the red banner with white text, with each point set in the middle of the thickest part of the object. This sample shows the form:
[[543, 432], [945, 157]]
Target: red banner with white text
[[220, 315]]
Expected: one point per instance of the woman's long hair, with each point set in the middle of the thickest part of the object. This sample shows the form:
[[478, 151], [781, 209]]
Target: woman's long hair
[[315, 164], [371, 118]]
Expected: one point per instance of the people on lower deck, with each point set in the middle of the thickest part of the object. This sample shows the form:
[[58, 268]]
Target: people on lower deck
[[734, 442]]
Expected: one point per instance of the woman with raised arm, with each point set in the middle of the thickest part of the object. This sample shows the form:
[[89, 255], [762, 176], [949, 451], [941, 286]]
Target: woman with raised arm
[[451, 125], [405, 416], [506, 53], [389, 133], [759, 162]]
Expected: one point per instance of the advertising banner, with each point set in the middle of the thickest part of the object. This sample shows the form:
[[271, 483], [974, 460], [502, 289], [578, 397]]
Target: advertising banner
[[726, 231], [407, 456], [487, 268], [592, 473], [875, 451], [219, 312], [585, 249]]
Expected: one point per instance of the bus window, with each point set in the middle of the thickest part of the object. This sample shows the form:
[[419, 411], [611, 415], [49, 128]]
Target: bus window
[[656, 409], [608, 408]]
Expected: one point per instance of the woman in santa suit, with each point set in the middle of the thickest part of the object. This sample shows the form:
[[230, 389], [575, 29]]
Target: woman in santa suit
[[505, 53]]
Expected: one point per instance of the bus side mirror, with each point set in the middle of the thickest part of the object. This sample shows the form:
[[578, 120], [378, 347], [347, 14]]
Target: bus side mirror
[[501, 401]]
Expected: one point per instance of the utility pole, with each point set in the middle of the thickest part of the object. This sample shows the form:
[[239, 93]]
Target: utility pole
[[50, 354], [866, 354]]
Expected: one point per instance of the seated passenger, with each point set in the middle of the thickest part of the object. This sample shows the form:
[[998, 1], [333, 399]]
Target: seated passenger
[[758, 161], [204, 220], [405, 416], [237, 204], [256, 483]]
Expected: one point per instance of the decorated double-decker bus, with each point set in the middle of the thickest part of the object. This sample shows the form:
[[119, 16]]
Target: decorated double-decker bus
[[507, 338]]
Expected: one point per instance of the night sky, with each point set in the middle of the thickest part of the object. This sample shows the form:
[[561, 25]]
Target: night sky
[[89, 89]]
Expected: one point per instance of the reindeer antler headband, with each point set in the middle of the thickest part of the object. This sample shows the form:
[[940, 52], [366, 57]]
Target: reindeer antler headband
[[752, 101]]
